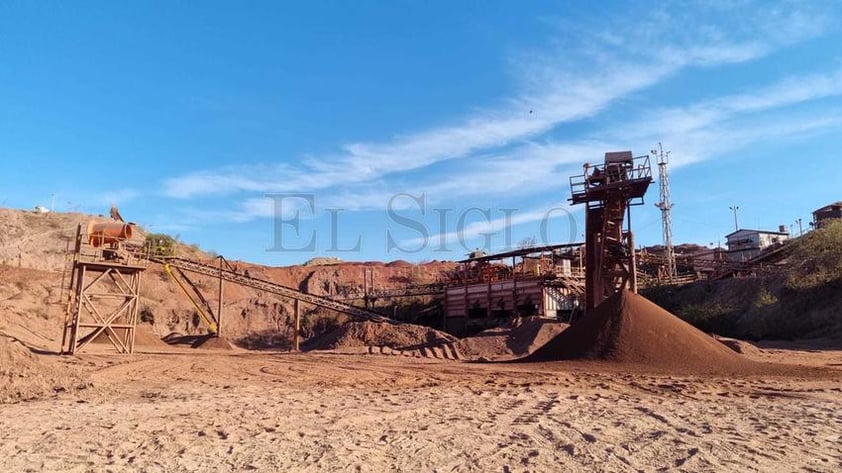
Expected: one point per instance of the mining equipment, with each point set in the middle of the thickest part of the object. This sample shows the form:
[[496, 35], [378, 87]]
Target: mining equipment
[[609, 190], [102, 286]]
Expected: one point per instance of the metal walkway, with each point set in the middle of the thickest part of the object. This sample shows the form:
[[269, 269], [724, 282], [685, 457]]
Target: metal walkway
[[270, 287], [431, 289]]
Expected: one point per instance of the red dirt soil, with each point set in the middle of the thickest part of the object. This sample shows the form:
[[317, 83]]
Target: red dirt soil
[[517, 338], [214, 343], [740, 346], [363, 334], [143, 337], [628, 328], [208, 342], [26, 375]]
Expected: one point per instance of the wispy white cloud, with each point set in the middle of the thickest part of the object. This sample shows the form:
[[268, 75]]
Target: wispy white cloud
[[701, 130], [723, 139], [498, 150], [788, 91], [519, 119], [696, 132], [500, 228]]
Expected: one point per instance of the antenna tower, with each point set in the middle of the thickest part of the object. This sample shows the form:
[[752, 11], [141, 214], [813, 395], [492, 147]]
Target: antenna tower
[[665, 205]]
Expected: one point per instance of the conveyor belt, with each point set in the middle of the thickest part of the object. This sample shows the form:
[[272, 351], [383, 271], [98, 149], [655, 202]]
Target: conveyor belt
[[271, 287]]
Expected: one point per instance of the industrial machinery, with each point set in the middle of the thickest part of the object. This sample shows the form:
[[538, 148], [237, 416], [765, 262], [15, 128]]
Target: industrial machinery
[[177, 268], [103, 282], [102, 286], [609, 190]]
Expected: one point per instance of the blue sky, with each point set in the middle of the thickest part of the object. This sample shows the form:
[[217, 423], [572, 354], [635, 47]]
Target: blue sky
[[192, 115]]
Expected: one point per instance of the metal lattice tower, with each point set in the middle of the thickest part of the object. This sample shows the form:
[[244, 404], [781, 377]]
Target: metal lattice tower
[[665, 205]]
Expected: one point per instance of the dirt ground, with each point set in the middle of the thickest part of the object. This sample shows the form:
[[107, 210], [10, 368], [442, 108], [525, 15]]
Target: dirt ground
[[222, 411]]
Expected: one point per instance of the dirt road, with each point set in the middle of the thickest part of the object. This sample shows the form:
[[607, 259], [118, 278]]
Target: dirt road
[[324, 412]]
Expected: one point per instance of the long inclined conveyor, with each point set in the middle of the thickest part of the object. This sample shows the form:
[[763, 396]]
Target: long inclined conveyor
[[270, 287]]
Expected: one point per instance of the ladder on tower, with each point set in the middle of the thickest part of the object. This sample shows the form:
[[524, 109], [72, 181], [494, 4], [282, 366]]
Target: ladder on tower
[[614, 251]]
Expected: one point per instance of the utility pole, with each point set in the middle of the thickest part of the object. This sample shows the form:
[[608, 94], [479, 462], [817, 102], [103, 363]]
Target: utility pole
[[665, 205], [734, 209], [800, 228], [219, 307]]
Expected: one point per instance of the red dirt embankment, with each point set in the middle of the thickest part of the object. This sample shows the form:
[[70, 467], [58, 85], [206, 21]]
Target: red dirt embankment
[[25, 375], [363, 334], [516, 338]]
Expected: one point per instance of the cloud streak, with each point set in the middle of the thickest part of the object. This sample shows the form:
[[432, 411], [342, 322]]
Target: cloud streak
[[500, 150], [493, 228]]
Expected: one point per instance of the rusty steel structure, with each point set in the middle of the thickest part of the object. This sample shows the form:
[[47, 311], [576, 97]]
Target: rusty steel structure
[[487, 290], [102, 285], [225, 272], [609, 190], [232, 275]]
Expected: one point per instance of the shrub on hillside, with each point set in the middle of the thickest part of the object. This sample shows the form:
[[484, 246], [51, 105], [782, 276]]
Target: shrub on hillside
[[709, 317], [161, 243], [816, 258]]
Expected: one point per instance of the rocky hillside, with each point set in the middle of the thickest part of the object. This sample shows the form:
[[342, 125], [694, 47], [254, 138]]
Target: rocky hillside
[[32, 260], [41, 240], [37, 241]]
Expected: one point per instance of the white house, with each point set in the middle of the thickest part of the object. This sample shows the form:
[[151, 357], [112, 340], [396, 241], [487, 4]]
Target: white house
[[745, 244]]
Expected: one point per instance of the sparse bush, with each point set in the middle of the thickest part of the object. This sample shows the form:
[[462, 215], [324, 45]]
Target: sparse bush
[[816, 258], [161, 243], [710, 317], [764, 298], [147, 316], [802, 298], [528, 242]]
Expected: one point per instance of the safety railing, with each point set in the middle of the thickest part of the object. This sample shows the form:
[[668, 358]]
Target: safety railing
[[610, 175]]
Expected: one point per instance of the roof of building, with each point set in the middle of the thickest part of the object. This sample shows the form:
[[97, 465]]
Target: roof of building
[[770, 232], [829, 206]]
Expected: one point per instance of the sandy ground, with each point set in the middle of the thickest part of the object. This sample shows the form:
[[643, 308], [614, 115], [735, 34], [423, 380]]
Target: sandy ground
[[216, 411]]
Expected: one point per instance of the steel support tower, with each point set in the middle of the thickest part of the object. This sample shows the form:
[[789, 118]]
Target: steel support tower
[[102, 292], [666, 206], [609, 190]]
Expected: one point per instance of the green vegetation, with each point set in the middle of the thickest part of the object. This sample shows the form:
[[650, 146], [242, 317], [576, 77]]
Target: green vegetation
[[161, 243], [764, 299], [802, 299], [816, 258]]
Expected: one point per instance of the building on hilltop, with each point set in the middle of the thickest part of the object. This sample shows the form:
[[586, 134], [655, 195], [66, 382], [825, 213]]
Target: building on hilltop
[[488, 290], [744, 244], [828, 212]]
